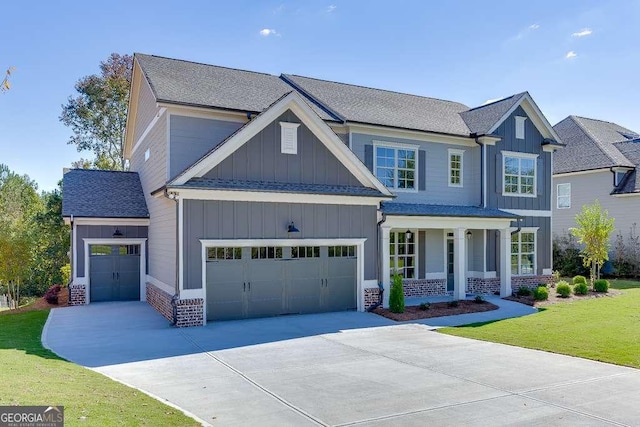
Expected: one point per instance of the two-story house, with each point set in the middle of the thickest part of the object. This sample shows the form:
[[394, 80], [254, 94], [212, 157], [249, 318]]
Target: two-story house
[[256, 195]]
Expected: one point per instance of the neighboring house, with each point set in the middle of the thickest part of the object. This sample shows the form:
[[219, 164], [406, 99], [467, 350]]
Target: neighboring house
[[271, 195], [600, 162]]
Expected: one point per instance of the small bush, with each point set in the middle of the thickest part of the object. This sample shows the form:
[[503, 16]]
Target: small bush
[[424, 306], [523, 291], [479, 299], [581, 289], [563, 289], [51, 296], [453, 303], [396, 297], [579, 279], [65, 270], [541, 293], [601, 285]]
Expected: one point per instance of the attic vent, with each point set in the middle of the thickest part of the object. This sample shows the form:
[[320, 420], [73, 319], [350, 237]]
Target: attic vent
[[520, 127], [289, 137]]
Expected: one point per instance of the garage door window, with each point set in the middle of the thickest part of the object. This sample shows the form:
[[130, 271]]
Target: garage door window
[[266, 252], [218, 254], [305, 252], [129, 249], [97, 250], [342, 251]]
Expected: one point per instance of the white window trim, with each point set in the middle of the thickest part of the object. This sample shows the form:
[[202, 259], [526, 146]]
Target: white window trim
[[147, 154], [454, 151], [398, 146], [506, 154], [558, 196], [520, 121], [533, 230], [415, 254]]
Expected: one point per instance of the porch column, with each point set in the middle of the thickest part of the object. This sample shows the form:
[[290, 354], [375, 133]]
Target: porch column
[[385, 274], [459, 264], [505, 262]]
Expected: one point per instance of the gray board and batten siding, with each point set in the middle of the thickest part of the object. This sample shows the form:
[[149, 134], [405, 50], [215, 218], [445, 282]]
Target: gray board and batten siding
[[208, 219], [532, 143], [103, 232], [433, 179]]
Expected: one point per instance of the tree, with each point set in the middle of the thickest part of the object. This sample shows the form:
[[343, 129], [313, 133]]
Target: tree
[[97, 116], [593, 231]]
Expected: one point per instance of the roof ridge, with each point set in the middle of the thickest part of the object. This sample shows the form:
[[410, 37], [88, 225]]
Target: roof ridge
[[208, 65], [496, 101], [576, 120], [99, 170], [375, 88]]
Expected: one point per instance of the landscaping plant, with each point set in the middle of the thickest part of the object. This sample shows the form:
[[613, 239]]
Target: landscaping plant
[[541, 293], [51, 296], [523, 291], [581, 288], [601, 285], [563, 289], [579, 279], [453, 303], [396, 297], [479, 299], [424, 306]]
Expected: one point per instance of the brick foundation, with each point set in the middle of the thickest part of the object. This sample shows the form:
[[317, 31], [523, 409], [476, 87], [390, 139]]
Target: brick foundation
[[189, 312], [77, 294], [424, 287], [486, 286], [371, 297], [161, 301], [531, 282]]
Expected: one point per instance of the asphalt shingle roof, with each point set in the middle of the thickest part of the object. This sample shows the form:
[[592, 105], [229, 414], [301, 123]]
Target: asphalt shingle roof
[[191, 83], [278, 187], [103, 194], [410, 209], [590, 144], [382, 107], [481, 119]]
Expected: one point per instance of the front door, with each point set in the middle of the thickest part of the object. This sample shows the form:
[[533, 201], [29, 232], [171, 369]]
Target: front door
[[450, 265]]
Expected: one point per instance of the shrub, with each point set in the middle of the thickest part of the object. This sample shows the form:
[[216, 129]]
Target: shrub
[[563, 289], [396, 297], [581, 288], [601, 285], [424, 306], [453, 303], [65, 270], [51, 296], [479, 299], [523, 291], [566, 256], [579, 279], [541, 293]]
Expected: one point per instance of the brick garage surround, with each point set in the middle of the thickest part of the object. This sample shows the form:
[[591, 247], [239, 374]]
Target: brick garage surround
[[77, 294], [189, 312], [371, 297], [160, 300], [531, 282], [424, 287], [487, 286]]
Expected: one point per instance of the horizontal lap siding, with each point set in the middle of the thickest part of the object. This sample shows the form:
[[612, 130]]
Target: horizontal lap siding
[[253, 220], [147, 110]]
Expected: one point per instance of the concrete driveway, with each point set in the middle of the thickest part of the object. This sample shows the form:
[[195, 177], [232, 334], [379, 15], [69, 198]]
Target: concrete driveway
[[340, 369]]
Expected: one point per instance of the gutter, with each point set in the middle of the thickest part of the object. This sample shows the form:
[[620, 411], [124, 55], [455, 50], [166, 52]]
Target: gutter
[[379, 267], [483, 202], [176, 296]]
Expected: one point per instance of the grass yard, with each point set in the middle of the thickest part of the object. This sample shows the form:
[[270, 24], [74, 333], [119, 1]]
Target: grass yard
[[604, 329], [32, 375]]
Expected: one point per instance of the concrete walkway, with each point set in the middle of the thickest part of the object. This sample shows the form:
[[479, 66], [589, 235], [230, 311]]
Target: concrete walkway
[[340, 369]]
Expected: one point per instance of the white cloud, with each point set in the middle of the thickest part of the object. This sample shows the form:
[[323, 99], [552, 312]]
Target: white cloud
[[582, 33], [266, 32], [570, 55], [534, 26], [278, 10], [331, 8]]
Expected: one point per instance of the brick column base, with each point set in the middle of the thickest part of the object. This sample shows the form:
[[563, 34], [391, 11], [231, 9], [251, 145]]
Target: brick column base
[[371, 297], [189, 312], [77, 294]]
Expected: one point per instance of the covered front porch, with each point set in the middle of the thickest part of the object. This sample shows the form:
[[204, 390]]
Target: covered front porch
[[447, 252]]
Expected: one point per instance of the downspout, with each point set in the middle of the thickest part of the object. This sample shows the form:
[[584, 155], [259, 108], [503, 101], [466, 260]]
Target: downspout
[[482, 172], [176, 296], [379, 267], [72, 248]]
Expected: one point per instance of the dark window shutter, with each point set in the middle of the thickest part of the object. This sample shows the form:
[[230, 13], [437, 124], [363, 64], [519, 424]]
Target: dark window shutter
[[422, 170], [499, 173], [540, 176], [368, 157]]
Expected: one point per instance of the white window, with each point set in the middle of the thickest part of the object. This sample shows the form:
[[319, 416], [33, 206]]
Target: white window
[[289, 138], [147, 154], [403, 254], [618, 177], [455, 167], [519, 174], [564, 196], [396, 167], [523, 253], [520, 127]]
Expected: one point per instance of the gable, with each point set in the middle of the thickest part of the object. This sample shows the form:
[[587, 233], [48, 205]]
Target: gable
[[261, 159], [533, 137]]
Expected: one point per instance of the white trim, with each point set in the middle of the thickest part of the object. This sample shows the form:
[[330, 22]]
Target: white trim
[[394, 144], [458, 152], [398, 146], [263, 196], [420, 222], [415, 255], [529, 212], [111, 221], [482, 274], [416, 135], [289, 147], [370, 284], [171, 290], [520, 127], [558, 195], [316, 125], [562, 175], [547, 271], [205, 113], [484, 176], [168, 148], [538, 119], [435, 276], [533, 230], [148, 129], [358, 242], [549, 148], [489, 139], [484, 250], [519, 154], [181, 246], [74, 246], [626, 195], [115, 241], [529, 156]]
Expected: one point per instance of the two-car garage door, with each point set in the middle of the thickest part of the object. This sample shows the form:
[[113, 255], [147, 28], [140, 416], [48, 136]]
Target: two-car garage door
[[270, 280]]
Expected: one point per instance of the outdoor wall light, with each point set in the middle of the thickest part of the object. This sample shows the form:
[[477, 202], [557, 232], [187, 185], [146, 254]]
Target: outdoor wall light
[[291, 228], [469, 234], [117, 233], [408, 235]]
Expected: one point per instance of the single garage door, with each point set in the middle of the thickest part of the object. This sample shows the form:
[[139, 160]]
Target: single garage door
[[114, 272], [271, 281]]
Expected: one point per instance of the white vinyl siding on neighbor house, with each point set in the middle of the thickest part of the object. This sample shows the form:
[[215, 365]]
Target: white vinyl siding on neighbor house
[[396, 167], [455, 167], [523, 253], [563, 196], [519, 174], [403, 254]]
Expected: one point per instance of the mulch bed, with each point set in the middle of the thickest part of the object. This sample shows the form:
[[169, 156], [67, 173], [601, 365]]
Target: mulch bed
[[554, 298], [42, 304], [437, 309]]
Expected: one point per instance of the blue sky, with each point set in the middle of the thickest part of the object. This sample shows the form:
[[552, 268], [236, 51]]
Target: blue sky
[[574, 57]]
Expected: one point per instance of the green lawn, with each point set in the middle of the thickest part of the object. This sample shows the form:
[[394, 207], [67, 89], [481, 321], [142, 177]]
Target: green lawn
[[32, 375], [605, 329]]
